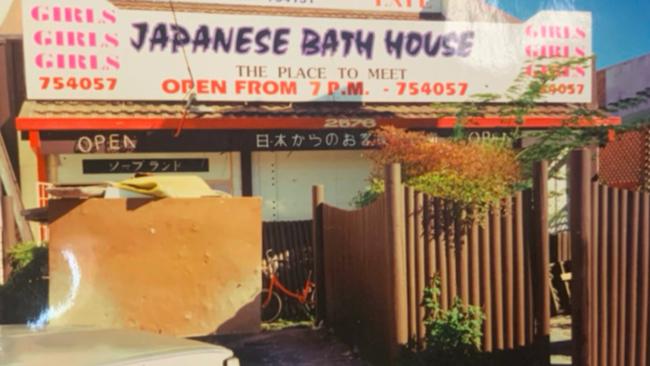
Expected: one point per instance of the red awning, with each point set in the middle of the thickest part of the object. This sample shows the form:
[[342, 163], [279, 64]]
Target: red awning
[[57, 116]]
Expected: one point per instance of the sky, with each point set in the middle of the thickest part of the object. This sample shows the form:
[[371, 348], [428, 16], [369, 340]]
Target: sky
[[621, 27]]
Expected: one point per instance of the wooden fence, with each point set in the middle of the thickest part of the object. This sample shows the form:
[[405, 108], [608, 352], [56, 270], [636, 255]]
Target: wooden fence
[[378, 260], [611, 277], [561, 272], [560, 247], [357, 279], [291, 243]]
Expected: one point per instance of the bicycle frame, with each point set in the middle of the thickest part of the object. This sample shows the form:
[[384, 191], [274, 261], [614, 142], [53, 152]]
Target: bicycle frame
[[274, 282]]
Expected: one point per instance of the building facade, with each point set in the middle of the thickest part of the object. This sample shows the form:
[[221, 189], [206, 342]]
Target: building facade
[[270, 100]]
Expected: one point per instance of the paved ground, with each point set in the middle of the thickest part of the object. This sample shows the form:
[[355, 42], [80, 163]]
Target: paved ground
[[561, 341], [302, 345], [291, 346]]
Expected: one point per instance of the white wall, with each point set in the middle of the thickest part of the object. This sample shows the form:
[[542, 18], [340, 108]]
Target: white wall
[[285, 180]]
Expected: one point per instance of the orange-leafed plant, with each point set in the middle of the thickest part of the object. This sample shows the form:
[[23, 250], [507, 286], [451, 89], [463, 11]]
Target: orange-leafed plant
[[473, 173]]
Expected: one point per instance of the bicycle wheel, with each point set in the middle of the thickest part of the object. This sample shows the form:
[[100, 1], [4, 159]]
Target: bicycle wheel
[[310, 305], [272, 310]]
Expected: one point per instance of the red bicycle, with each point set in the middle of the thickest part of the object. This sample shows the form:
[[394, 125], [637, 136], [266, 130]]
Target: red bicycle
[[272, 302]]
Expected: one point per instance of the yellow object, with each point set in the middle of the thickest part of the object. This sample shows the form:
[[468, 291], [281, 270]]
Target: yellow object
[[186, 186]]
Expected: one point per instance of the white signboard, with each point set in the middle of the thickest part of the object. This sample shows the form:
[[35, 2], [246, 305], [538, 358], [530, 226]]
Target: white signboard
[[89, 50], [410, 6]]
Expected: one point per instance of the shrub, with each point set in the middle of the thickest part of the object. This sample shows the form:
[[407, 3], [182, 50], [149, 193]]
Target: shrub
[[24, 295], [470, 173], [371, 193], [453, 336], [456, 331]]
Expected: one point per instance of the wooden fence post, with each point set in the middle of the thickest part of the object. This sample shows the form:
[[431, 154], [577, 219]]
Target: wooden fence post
[[9, 237], [580, 226], [542, 257], [318, 198], [396, 260]]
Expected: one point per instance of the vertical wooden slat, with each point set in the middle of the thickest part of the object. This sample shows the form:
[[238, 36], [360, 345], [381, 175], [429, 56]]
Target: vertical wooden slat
[[520, 294], [9, 235], [622, 294], [542, 257], [508, 258], [580, 210], [603, 276], [632, 283], [644, 276], [410, 260], [613, 276], [528, 257], [441, 255], [475, 256], [486, 284], [318, 198], [420, 228], [450, 227], [463, 245], [430, 230], [497, 284], [594, 283], [396, 254]]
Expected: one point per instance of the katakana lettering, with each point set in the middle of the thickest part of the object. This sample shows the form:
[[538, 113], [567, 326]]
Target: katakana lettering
[[138, 165], [114, 165], [154, 165]]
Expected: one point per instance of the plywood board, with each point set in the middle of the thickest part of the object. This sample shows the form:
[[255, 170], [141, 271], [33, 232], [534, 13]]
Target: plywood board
[[185, 267]]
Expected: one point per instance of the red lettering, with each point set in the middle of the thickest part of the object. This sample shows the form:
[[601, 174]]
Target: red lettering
[[218, 87], [111, 40], [67, 61], [202, 86], [171, 86], [42, 13], [332, 87], [65, 38], [112, 63], [554, 32], [269, 87], [109, 17]]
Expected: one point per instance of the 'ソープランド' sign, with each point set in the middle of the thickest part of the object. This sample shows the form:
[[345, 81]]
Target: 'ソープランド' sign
[[90, 50], [410, 6]]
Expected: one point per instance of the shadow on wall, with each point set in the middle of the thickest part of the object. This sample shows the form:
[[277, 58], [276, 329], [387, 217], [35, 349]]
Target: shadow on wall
[[242, 319]]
